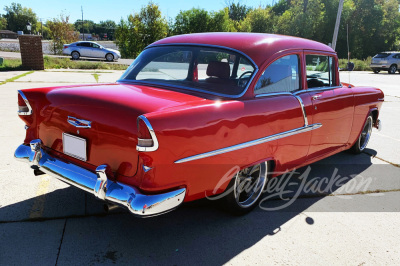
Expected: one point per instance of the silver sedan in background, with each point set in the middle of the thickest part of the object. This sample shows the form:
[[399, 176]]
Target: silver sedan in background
[[90, 49]]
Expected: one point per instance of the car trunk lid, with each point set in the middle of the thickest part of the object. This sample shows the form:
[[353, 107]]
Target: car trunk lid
[[112, 111]]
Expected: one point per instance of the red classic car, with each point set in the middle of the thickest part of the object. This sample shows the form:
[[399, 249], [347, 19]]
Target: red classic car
[[198, 115]]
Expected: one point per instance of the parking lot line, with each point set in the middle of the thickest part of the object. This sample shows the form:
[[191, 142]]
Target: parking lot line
[[38, 205]]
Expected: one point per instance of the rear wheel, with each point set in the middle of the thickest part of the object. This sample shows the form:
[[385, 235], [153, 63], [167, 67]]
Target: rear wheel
[[392, 69], [75, 55], [364, 137], [376, 71], [245, 189], [109, 57]]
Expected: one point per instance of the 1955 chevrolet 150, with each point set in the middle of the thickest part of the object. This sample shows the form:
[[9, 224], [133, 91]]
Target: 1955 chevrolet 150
[[198, 115]]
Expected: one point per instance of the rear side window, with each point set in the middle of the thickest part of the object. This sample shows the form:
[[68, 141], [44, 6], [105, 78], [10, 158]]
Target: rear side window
[[320, 71], [281, 76], [84, 44], [381, 55]]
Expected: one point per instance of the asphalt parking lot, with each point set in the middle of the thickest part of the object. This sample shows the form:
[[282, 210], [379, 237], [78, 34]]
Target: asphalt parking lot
[[44, 221]]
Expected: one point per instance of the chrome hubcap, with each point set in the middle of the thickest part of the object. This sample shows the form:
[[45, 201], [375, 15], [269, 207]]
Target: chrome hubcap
[[109, 57], [249, 184], [366, 133]]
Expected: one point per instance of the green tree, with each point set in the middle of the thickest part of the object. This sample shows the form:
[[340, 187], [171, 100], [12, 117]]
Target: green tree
[[61, 32], [106, 27], [3, 23], [237, 12], [140, 30], [199, 20], [280, 7], [365, 28], [43, 30], [17, 18], [302, 19], [87, 27], [259, 20], [191, 21]]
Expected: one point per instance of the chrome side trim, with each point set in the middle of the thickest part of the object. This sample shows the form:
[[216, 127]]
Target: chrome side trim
[[250, 143], [152, 134], [27, 104], [303, 110], [136, 202]]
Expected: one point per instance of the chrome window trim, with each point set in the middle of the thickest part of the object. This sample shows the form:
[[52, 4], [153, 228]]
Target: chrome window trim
[[283, 92], [30, 111], [251, 143], [324, 88], [303, 110], [152, 134], [256, 69], [273, 94]]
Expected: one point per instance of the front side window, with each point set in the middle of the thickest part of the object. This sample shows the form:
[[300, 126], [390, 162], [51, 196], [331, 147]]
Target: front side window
[[320, 71], [281, 76], [213, 70]]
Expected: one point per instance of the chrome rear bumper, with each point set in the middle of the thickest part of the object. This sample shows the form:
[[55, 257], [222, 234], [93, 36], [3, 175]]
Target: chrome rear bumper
[[99, 184]]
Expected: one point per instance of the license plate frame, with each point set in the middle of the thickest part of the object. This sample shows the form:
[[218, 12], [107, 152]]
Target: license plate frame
[[74, 146]]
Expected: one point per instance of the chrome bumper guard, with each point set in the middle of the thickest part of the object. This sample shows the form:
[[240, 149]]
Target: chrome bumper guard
[[99, 184]]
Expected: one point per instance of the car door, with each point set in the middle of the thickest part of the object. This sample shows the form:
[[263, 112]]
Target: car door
[[396, 57], [84, 49], [280, 86], [97, 51], [333, 105]]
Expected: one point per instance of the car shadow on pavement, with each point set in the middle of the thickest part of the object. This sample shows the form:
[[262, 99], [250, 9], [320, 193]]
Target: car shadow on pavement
[[197, 232]]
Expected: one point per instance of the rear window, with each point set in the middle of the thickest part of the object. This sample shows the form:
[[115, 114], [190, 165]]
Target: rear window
[[212, 70], [382, 55]]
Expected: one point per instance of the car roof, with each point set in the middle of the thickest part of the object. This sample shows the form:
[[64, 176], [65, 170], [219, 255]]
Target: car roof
[[86, 41], [258, 46]]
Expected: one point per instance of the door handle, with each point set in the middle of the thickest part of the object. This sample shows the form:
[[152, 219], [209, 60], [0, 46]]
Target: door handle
[[315, 97]]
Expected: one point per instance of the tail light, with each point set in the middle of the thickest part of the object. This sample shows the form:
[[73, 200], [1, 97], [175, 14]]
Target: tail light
[[24, 108], [65, 46], [147, 140]]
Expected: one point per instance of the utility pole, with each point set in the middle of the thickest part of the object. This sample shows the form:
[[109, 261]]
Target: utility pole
[[335, 33], [83, 29]]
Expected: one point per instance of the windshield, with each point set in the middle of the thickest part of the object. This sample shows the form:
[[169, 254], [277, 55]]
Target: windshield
[[381, 55], [207, 69]]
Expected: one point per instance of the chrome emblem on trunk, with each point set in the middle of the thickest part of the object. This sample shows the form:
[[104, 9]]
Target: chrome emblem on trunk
[[79, 122]]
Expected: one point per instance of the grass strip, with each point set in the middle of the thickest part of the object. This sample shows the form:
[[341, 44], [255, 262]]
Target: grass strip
[[62, 63], [16, 77], [96, 77]]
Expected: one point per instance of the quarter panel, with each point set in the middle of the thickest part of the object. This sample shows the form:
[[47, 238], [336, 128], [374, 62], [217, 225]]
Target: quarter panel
[[188, 132]]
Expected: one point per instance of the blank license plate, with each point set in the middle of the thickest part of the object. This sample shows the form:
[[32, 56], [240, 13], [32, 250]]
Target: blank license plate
[[74, 146]]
